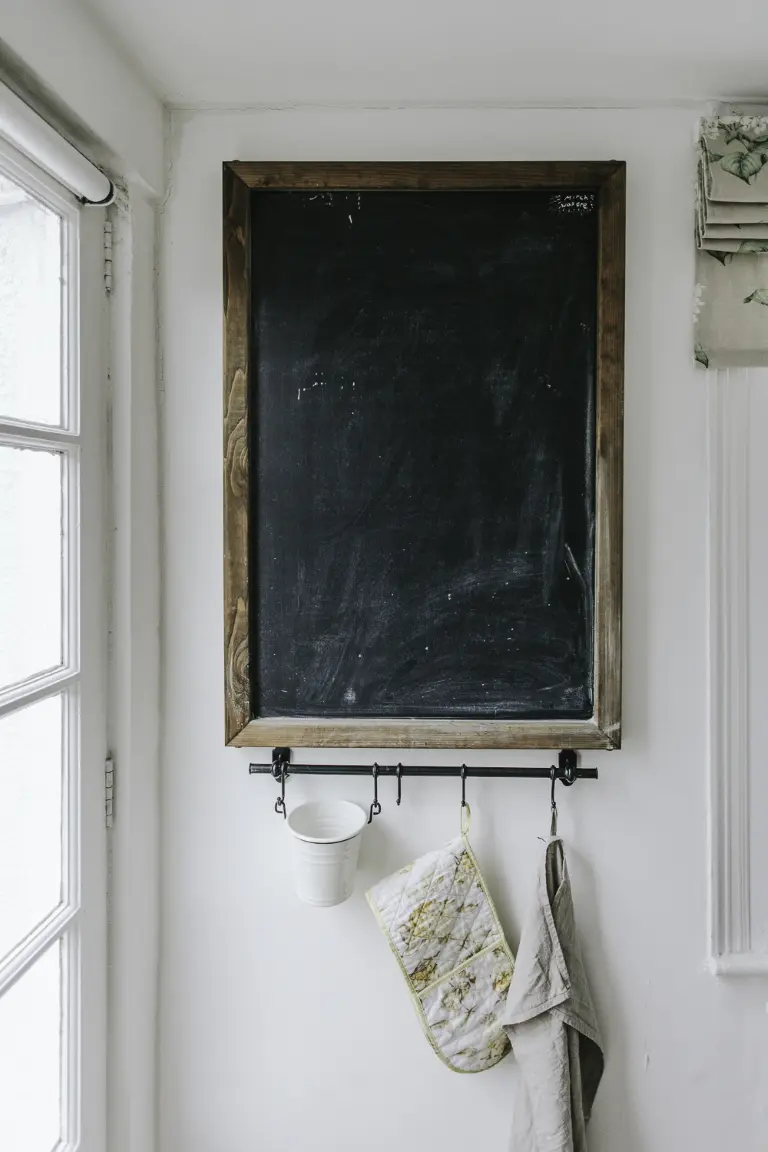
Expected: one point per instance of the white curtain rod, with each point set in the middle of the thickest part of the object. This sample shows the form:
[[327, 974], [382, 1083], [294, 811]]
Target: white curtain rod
[[37, 139]]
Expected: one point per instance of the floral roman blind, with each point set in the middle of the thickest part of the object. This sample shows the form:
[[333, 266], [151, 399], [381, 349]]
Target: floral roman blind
[[731, 305]]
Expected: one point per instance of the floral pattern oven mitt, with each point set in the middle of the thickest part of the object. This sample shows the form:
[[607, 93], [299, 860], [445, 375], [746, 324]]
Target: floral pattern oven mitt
[[442, 927]]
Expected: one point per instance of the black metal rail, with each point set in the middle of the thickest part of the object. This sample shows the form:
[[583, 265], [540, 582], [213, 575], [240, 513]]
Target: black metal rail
[[567, 769]]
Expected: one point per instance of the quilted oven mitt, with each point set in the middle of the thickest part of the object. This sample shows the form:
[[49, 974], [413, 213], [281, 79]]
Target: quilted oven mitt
[[444, 931]]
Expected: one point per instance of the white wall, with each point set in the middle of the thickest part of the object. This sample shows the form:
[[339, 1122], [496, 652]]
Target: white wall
[[285, 1028], [65, 48]]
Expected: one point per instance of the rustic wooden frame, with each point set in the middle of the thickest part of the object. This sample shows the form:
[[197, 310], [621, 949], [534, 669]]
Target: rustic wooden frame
[[607, 180]]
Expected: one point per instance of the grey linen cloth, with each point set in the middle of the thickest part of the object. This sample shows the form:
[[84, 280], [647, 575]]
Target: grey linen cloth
[[550, 1021]]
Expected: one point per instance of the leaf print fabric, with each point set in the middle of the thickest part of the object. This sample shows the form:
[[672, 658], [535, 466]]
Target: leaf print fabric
[[423, 974], [745, 165], [732, 238], [734, 152], [700, 355], [442, 927]]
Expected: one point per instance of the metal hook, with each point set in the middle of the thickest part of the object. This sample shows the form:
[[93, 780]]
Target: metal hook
[[465, 809], [399, 773], [279, 771], [375, 808], [553, 821]]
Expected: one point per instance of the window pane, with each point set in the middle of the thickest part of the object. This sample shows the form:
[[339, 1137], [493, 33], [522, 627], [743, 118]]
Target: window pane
[[30, 1056], [30, 307], [30, 563], [30, 819]]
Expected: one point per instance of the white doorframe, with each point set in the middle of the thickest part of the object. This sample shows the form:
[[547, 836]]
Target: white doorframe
[[134, 690], [94, 592]]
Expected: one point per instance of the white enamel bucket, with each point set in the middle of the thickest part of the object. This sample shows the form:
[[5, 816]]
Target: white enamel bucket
[[326, 844]]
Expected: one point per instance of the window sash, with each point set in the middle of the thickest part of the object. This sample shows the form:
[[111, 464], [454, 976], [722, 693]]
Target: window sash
[[80, 919]]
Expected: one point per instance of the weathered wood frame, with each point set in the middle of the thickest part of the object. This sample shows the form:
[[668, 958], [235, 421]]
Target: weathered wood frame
[[607, 180]]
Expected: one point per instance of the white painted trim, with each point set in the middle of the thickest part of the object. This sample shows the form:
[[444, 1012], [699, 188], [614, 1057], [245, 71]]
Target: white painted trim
[[728, 668], [21, 959], [36, 688], [73, 1003], [750, 964], [74, 829], [134, 685], [78, 925], [87, 944], [39, 436], [730, 929], [67, 1146]]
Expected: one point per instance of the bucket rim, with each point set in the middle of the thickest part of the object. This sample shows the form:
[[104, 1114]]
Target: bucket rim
[[327, 839]]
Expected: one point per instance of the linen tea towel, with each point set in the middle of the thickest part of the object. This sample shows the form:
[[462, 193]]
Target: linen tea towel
[[551, 1022]]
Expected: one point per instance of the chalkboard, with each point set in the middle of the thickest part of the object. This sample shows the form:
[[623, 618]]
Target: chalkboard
[[422, 504]]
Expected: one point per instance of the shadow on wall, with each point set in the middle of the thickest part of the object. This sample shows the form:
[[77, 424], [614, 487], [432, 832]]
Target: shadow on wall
[[613, 1124]]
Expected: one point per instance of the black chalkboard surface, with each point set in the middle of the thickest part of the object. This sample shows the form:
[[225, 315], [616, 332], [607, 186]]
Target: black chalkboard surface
[[422, 452]]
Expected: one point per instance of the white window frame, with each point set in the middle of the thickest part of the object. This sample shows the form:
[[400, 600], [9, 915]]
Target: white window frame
[[81, 919]]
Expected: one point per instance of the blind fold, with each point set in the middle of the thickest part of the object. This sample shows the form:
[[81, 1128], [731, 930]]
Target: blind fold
[[731, 302]]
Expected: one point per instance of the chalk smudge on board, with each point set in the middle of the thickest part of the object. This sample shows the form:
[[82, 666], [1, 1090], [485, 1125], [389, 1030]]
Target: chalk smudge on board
[[446, 547]]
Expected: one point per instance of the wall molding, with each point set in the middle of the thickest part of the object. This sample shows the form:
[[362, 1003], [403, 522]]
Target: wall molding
[[134, 723], [730, 920]]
